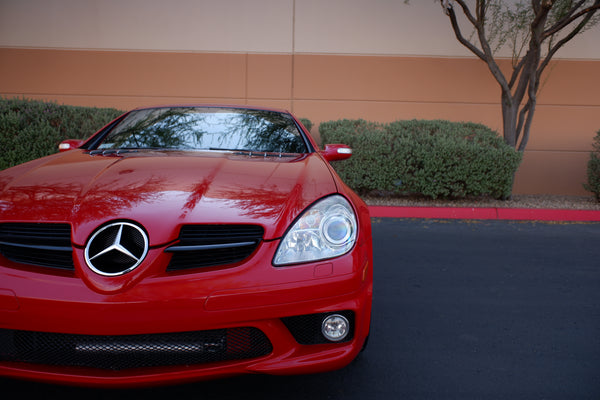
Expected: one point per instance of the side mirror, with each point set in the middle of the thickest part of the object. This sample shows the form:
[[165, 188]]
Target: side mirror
[[69, 144], [336, 152]]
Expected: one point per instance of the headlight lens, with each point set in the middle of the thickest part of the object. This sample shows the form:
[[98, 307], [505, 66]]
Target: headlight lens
[[327, 229]]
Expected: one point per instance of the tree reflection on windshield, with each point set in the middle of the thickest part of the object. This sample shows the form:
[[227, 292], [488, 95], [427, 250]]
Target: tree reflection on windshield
[[194, 128]]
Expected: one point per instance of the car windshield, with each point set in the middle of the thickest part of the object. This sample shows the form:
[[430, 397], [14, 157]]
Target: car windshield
[[194, 128]]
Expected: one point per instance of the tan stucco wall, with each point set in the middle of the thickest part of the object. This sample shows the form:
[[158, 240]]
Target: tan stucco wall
[[323, 60], [366, 27]]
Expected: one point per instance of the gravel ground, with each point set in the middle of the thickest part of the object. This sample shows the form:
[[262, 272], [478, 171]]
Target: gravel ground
[[517, 201]]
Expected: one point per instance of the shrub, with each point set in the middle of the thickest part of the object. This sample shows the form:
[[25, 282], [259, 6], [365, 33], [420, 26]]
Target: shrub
[[593, 170], [429, 158], [31, 129], [307, 123]]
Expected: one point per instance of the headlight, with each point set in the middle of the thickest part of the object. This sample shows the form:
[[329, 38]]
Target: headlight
[[327, 229]]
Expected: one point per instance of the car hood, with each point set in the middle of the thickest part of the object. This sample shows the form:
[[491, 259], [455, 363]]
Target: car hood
[[163, 190]]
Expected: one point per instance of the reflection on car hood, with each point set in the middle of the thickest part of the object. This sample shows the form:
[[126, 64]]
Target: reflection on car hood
[[162, 190]]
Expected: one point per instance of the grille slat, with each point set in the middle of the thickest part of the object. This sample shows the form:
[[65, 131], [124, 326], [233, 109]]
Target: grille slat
[[41, 244], [213, 245], [133, 351]]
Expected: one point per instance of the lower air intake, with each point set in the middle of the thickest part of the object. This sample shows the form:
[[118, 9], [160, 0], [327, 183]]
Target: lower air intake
[[306, 329], [133, 351]]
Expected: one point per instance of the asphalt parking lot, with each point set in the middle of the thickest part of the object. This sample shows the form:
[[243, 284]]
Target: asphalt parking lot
[[462, 310]]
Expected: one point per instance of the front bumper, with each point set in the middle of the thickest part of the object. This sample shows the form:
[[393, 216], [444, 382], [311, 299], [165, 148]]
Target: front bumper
[[250, 296]]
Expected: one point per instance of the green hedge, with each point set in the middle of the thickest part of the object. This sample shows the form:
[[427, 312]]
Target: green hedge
[[31, 129], [307, 123], [436, 159], [593, 170], [429, 158]]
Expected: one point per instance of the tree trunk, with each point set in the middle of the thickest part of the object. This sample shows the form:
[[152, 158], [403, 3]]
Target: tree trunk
[[510, 112]]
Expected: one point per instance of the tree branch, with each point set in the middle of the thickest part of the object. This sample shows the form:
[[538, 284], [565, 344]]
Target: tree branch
[[541, 13], [527, 128], [527, 72], [461, 38], [485, 54], [481, 31], [516, 71], [467, 12], [519, 127], [536, 5], [564, 40], [572, 17]]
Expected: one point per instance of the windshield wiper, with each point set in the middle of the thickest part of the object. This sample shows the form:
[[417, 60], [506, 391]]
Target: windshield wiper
[[228, 149], [123, 150], [142, 148], [256, 153], [111, 152]]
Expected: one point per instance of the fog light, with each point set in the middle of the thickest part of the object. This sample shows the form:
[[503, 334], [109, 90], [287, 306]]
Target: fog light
[[335, 327]]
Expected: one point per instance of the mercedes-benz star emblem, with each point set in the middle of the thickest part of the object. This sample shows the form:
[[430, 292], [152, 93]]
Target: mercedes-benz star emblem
[[116, 249]]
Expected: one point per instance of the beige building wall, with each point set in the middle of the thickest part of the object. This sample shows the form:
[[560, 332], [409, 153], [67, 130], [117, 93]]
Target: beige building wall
[[322, 59]]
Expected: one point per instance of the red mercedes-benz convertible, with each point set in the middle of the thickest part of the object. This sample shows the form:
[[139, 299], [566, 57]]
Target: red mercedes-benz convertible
[[182, 243]]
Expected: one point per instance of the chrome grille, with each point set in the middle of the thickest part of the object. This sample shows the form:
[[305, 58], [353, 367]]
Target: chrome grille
[[213, 245], [42, 244]]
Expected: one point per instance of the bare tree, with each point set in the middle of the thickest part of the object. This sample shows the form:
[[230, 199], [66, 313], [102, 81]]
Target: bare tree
[[534, 30]]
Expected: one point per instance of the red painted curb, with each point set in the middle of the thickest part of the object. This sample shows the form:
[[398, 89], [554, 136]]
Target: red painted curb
[[518, 214]]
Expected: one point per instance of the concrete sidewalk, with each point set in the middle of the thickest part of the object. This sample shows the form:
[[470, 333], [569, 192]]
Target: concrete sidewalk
[[486, 213]]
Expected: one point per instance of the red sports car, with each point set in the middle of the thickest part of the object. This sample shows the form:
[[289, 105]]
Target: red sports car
[[181, 243]]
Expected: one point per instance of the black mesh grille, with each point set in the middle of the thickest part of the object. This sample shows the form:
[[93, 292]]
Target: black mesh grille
[[46, 245], [306, 329], [213, 245], [133, 351]]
